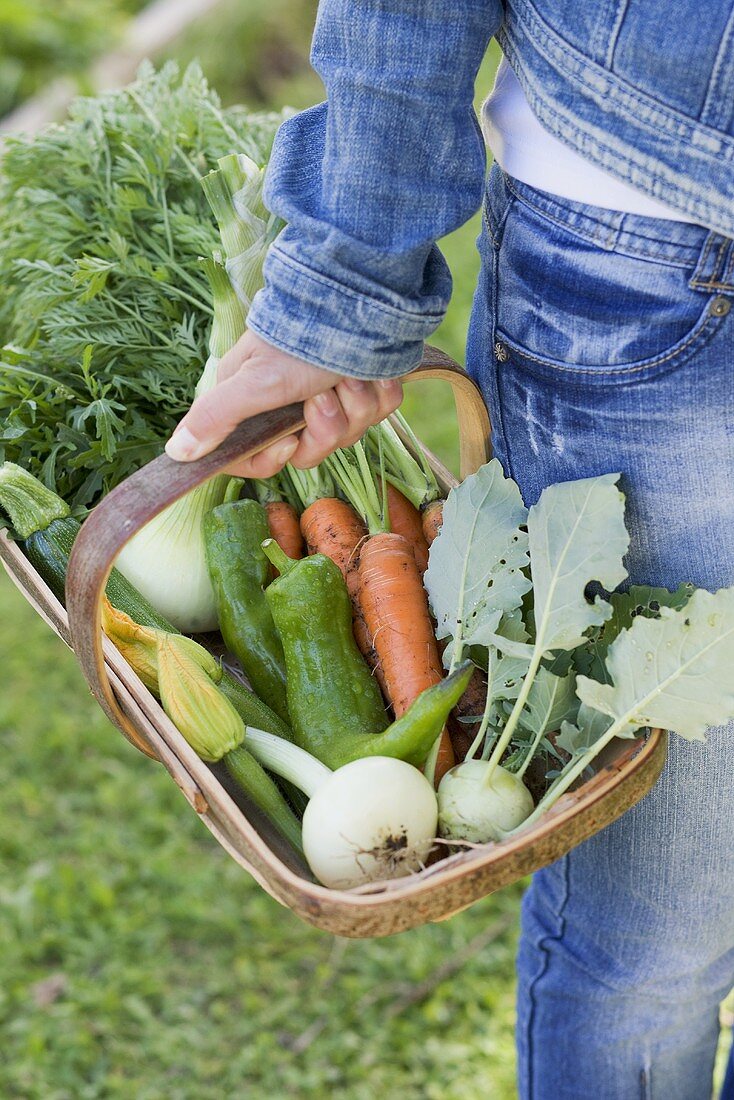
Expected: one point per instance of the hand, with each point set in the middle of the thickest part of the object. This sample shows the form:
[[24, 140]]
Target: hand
[[254, 377]]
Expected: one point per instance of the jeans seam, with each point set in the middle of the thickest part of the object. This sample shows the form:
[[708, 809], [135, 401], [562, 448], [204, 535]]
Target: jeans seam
[[698, 283], [616, 30], [499, 425], [726, 276], [698, 331], [598, 238], [557, 937], [719, 261], [487, 223], [497, 240], [716, 280], [724, 285]]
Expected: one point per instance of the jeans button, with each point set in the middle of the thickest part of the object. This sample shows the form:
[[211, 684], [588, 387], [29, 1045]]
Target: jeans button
[[720, 306], [500, 352]]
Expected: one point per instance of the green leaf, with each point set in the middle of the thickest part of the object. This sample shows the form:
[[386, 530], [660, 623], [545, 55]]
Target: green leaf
[[579, 736], [475, 565], [551, 702], [102, 299], [673, 671], [507, 676], [576, 535], [626, 606]]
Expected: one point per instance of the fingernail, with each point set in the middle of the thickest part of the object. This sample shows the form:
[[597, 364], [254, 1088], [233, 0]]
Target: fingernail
[[285, 450], [355, 384], [327, 403], [183, 446], [388, 384]]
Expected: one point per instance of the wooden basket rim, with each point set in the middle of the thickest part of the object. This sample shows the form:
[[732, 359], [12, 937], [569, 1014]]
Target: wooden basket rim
[[198, 790], [376, 908]]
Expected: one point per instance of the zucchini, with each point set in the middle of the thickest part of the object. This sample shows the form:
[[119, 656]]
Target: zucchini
[[48, 551], [46, 532]]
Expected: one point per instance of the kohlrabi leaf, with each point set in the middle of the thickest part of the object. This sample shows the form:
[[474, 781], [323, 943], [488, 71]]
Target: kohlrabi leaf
[[578, 737], [639, 599], [510, 638], [561, 662], [507, 676], [576, 535], [512, 627], [673, 671], [475, 564], [552, 701]]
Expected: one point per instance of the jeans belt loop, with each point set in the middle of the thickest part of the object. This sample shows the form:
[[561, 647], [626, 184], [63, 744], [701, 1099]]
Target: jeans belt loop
[[715, 267]]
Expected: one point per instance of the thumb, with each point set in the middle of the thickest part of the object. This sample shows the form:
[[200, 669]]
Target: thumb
[[256, 387]]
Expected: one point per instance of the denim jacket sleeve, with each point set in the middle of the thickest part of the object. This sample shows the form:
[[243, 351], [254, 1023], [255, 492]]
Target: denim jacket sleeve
[[370, 179]]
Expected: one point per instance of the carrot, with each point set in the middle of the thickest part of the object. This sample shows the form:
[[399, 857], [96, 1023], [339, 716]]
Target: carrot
[[285, 528], [279, 501], [395, 610], [332, 527], [405, 520], [432, 519]]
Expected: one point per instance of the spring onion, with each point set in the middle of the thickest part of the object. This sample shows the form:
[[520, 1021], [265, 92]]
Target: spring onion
[[372, 819]]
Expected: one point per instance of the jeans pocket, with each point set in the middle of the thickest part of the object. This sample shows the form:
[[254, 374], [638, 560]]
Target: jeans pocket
[[570, 303]]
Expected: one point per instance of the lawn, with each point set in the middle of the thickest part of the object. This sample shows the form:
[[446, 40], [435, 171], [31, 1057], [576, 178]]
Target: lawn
[[140, 961]]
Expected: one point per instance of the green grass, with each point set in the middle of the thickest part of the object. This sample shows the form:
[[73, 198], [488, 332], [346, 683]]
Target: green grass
[[177, 976]]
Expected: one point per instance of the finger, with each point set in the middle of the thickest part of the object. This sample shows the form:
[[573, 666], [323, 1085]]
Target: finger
[[235, 358], [267, 462], [326, 424], [389, 395], [361, 407], [255, 388]]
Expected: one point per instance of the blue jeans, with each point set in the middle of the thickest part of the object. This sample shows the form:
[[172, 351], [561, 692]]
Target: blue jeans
[[605, 341]]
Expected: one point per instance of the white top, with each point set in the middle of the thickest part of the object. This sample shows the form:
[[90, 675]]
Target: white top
[[525, 150]]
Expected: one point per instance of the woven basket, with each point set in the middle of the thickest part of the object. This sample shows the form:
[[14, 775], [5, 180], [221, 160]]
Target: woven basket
[[626, 770]]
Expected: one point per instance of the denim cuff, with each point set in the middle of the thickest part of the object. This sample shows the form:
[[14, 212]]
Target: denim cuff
[[357, 332]]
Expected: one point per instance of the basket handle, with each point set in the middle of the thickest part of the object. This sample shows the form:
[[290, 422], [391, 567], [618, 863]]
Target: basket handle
[[144, 494]]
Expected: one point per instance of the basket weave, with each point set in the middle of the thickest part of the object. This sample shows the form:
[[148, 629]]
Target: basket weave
[[626, 770]]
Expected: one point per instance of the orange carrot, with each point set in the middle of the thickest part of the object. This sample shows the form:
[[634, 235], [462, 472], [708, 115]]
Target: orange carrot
[[405, 520], [332, 527], [285, 528], [432, 517], [395, 610]]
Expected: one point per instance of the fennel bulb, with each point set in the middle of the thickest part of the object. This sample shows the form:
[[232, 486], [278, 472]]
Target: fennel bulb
[[166, 560]]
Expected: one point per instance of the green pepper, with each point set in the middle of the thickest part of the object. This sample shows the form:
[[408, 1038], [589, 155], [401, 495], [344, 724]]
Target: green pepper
[[332, 695], [239, 572], [412, 736], [337, 712]]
